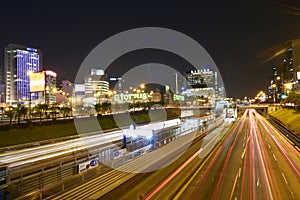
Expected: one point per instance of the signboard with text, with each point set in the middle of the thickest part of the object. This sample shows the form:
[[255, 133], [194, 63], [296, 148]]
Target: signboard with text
[[130, 97], [82, 167]]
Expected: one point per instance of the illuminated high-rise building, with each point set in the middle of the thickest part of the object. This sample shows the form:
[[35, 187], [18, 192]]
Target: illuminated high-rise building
[[20, 62], [50, 89], [96, 87], [202, 82], [287, 77]]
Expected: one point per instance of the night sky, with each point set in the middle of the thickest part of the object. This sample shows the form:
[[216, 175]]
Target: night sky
[[235, 33]]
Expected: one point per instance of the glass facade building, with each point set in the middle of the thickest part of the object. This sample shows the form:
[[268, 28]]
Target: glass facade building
[[20, 61], [26, 63]]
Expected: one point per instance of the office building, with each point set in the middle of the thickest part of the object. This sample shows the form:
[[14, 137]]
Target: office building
[[64, 92], [116, 84], [96, 87], [19, 62], [202, 82], [288, 68], [50, 91]]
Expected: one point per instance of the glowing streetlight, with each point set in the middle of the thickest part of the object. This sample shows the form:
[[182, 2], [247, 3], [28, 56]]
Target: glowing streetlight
[[110, 92], [288, 86], [142, 86]]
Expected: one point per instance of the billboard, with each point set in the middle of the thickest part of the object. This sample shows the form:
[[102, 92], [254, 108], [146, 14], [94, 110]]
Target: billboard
[[37, 82], [82, 167]]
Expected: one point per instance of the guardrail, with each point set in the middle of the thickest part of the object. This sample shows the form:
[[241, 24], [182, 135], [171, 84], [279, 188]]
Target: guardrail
[[45, 179], [295, 139]]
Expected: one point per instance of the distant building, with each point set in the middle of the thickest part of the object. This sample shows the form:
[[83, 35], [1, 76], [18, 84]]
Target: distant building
[[67, 87], [202, 83], [50, 91], [19, 61], [65, 92], [96, 87], [78, 95], [2, 85], [286, 74], [116, 84]]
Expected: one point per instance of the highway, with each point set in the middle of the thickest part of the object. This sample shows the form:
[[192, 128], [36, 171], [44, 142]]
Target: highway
[[258, 164], [252, 161], [16, 158], [50, 165], [246, 160], [157, 163]]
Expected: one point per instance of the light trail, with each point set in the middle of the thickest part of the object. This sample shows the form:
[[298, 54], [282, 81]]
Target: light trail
[[182, 166], [281, 148], [35, 154]]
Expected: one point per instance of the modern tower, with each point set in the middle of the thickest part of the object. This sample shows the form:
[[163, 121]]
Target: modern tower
[[96, 87], [19, 62], [50, 90]]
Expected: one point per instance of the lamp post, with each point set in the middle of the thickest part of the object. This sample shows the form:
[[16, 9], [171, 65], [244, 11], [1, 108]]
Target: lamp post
[[29, 73], [274, 94], [288, 87]]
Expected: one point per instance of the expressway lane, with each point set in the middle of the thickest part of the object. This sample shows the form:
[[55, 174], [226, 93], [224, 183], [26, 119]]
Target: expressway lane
[[252, 161], [259, 165], [151, 184]]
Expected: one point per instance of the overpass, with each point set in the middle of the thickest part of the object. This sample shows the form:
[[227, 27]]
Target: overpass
[[262, 109]]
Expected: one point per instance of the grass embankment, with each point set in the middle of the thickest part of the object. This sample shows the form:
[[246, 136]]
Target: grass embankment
[[59, 129], [289, 117]]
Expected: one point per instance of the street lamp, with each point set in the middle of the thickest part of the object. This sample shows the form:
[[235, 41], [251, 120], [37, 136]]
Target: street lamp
[[274, 95], [142, 86], [288, 87]]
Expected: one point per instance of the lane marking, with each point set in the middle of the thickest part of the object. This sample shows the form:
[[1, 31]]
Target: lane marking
[[214, 152], [234, 185], [269, 146], [274, 157], [243, 154], [284, 178]]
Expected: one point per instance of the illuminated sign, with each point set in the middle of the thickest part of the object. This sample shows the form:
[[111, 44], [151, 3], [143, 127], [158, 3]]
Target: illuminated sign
[[177, 97], [283, 96], [31, 49], [37, 82], [82, 167], [115, 79], [298, 75], [51, 73], [130, 97], [98, 72]]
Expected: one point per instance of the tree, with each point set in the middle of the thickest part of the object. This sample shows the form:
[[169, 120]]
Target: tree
[[54, 108], [41, 109], [20, 110], [10, 112], [103, 107], [65, 110], [294, 98], [106, 107]]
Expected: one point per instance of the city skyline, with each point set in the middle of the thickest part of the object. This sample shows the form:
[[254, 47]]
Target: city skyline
[[243, 30]]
